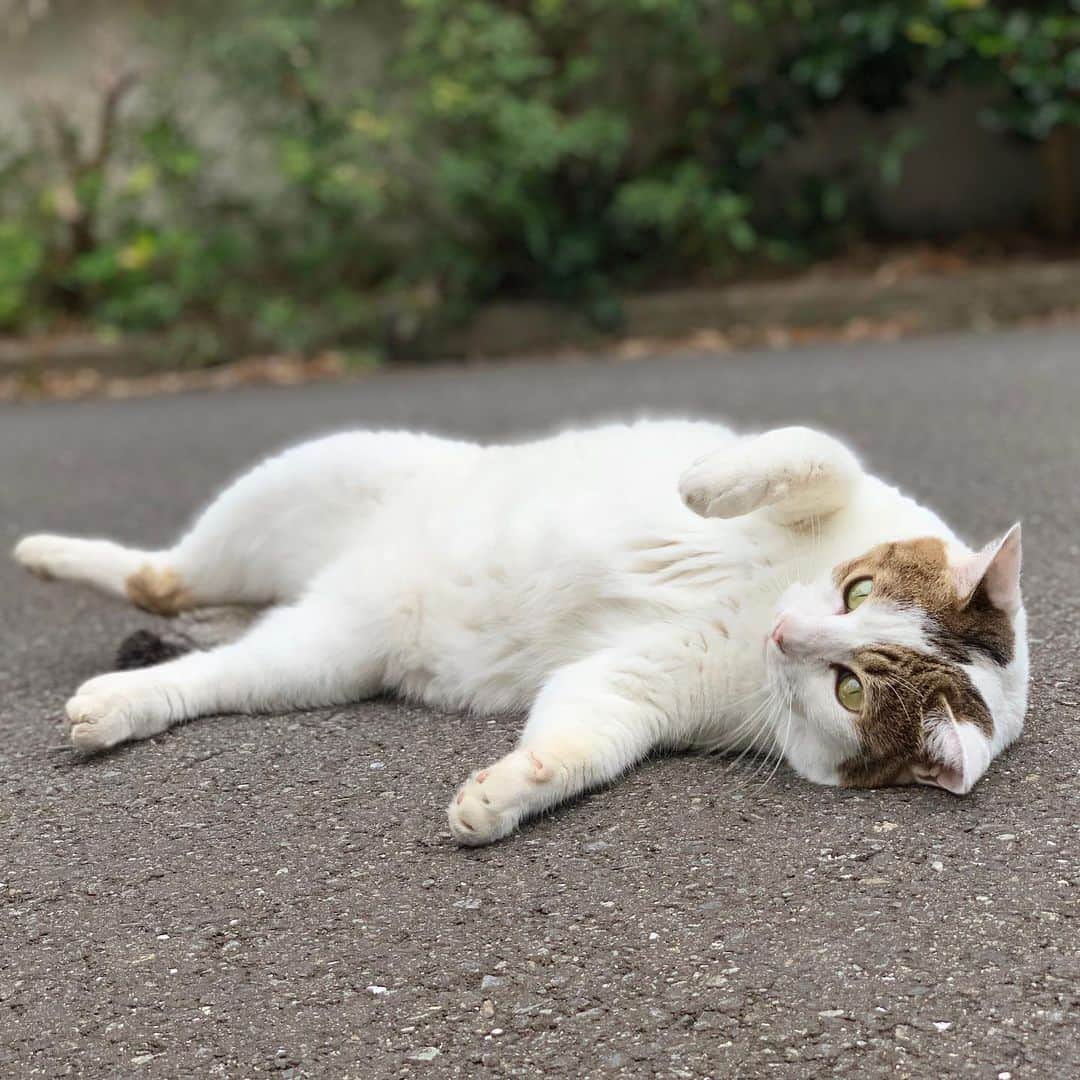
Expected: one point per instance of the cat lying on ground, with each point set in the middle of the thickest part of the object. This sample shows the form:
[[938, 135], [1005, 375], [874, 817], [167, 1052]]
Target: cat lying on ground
[[630, 588]]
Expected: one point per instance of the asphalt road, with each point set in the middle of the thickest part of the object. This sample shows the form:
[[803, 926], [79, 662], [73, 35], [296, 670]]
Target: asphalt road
[[248, 896]]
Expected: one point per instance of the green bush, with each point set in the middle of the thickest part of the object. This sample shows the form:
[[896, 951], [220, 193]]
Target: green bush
[[557, 148], [22, 255]]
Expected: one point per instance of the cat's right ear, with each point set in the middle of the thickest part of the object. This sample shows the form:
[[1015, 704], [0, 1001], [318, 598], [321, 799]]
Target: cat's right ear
[[957, 752], [997, 569]]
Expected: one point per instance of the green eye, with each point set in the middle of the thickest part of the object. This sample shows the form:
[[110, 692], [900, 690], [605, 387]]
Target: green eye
[[849, 691], [857, 592]]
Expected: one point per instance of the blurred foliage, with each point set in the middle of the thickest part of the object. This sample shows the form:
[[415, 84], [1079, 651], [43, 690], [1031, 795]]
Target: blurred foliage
[[558, 148]]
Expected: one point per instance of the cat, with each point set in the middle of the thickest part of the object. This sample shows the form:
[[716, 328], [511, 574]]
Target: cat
[[630, 588]]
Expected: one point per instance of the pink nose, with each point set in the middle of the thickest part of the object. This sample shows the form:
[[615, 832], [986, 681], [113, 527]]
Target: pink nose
[[778, 632]]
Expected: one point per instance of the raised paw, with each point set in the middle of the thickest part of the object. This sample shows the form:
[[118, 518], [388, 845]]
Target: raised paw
[[112, 708], [719, 490], [492, 802], [796, 471]]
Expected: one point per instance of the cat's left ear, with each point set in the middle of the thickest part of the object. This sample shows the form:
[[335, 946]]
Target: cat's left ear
[[957, 753], [997, 569]]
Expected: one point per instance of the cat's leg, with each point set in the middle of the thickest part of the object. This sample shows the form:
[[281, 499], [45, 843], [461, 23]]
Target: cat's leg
[[794, 473], [206, 568], [265, 537], [101, 564], [325, 650], [591, 722], [164, 582]]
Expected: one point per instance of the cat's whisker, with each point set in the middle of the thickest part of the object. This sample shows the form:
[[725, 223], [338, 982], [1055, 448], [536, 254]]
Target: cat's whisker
[[744, 736], [900, 700], [780, 758], [749, 722], [764, 727], [719, 741], [769, 752]]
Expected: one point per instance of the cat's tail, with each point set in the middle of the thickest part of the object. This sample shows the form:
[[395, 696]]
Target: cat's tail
[[191, 631], [144, 648]]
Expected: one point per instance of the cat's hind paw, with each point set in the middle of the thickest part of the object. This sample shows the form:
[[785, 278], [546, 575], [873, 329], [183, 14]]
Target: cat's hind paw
[[45, 556]]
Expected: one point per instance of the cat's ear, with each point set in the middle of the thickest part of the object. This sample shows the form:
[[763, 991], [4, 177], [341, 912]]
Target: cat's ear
[[957, 753], [997, 568]]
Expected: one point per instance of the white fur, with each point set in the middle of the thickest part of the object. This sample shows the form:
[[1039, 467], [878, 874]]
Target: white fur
[[565, 578]]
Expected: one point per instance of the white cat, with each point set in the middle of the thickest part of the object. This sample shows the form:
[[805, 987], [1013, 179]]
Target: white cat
[[632, 588]]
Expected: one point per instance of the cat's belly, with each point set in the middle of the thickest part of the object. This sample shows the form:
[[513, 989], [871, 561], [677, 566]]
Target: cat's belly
[[486, 639], [524, 565], [484, 629]]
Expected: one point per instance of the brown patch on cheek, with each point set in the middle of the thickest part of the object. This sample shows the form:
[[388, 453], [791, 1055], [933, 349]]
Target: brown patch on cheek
[[889, 727], [158, 590], [903, 687], [856, 773]]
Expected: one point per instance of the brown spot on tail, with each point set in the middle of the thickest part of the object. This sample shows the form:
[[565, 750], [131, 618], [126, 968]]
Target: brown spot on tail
[[158, 590]]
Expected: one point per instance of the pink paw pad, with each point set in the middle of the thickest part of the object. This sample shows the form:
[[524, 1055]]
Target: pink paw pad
[[541, 770]]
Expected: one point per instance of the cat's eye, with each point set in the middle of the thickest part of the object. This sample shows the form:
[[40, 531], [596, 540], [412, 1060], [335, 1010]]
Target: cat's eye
[[857, 592], [849, 691]]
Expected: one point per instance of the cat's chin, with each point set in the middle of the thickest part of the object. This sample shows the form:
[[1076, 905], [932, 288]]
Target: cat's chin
[[810, 763]]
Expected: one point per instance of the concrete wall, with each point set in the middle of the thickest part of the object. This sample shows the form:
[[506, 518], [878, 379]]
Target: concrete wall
[[959, 176], [63, 56], [67, 56]]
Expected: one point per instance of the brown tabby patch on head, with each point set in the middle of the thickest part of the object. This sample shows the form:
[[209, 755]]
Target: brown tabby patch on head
[[915, 573], [901, 688]]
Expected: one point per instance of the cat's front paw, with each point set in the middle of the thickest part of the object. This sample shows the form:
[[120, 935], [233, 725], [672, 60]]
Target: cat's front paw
[[719, 489], [491, 803], [112, 708]]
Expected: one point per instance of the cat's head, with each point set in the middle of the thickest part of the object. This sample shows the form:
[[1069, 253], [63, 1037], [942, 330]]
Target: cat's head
[[906, 665]]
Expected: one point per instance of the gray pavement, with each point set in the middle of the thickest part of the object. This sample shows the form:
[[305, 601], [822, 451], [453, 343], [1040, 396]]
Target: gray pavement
[[231, 898]]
